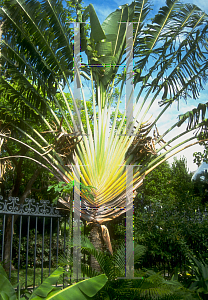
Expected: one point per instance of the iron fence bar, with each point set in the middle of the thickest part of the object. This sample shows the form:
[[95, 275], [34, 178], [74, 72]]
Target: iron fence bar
[[64, 242], [176, 260], [3, 233], [71, 253], [164, 265], [35, 250], [19, 249], [57, 243], [11, 242], [180, 263], [84, 250], [28, 236], [57, 246], [50, 247], [169, 264], [184, 266], [42, 249]]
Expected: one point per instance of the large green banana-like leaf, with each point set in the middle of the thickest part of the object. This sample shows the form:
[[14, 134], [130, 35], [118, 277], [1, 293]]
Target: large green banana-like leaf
[[82, 290], [111, 48], [6, 289], [97, 32]]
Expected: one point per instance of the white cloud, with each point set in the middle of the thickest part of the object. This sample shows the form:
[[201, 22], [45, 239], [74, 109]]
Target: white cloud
[[169, 118]]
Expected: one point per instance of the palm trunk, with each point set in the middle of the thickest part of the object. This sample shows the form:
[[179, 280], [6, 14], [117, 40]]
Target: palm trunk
[[96, 240]]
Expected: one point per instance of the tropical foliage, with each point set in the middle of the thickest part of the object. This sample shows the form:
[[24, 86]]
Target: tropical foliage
[[47, 290], [170, 219], [170, 63], [147, 284], [200, 284]]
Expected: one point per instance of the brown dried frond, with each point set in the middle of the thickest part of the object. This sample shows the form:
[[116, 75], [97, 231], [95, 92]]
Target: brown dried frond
[[158, 136], [66, 143], [4, 129], [142, 144]]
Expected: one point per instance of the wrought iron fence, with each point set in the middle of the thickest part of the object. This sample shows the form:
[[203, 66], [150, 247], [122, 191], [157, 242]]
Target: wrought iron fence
[[32, 235], [37, 234]]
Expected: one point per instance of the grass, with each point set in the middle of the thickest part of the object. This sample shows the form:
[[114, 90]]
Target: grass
[[30, 276]]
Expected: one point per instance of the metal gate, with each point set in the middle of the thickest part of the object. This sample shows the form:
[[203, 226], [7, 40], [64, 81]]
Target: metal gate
[[32, 226]]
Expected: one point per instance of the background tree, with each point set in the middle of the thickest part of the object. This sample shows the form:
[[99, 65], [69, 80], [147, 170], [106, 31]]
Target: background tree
[[169, 217]]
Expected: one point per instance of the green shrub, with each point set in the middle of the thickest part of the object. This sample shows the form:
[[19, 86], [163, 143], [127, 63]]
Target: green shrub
[[39, 251]]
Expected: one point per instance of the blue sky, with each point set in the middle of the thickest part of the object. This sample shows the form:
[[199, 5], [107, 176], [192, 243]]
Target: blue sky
[[103, 9]]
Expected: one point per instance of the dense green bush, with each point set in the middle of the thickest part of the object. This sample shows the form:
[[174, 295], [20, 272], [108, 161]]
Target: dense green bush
[[167, 220], [170, 235], [38, 250]]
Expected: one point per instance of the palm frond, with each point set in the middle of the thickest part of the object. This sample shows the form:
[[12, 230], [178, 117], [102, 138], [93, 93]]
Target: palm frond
[[194, 116], [48, 43], [177, 34]]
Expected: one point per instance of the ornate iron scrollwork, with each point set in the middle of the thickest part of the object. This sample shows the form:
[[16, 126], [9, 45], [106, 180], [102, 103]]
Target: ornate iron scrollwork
[[30, 207]]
